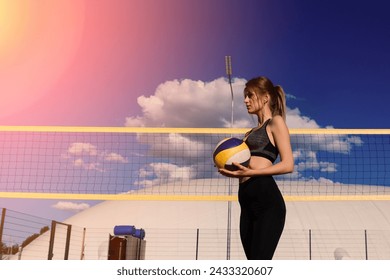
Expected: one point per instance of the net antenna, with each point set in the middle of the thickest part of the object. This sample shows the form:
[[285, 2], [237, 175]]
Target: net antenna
[[228, 65]]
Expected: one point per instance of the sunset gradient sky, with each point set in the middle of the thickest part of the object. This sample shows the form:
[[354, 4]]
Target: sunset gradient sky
[[143, 62], [81, 62]]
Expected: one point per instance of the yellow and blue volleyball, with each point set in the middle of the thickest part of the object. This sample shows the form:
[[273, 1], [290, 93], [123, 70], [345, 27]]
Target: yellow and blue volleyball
[[231, 150]]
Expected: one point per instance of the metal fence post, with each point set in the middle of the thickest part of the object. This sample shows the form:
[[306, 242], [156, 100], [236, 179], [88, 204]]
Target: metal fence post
[[52, 237], [83, 246], [51, 242], [309, 244], [67, 244], [366, 243], [20, 253], [197, 244], [1, 231]]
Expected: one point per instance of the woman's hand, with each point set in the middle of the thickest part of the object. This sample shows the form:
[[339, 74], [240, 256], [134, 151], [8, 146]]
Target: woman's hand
[[241, 171]]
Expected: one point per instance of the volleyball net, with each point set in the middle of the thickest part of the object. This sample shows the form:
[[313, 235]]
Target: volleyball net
[[123, 163]]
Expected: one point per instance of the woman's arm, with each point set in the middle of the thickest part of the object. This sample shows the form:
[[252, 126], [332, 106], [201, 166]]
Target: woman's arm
[[282, 141]]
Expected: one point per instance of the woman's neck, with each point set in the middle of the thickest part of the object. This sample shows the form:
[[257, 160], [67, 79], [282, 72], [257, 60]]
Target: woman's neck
[[263, 118]]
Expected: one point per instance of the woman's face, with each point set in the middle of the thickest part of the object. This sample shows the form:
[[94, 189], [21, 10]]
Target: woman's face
[[251, 101]]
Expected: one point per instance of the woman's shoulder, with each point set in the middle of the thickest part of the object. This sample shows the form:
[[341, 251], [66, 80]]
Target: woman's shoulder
[[277, 122]]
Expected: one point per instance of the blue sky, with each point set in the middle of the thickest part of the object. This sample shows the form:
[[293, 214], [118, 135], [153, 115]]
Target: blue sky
[[121, 59]]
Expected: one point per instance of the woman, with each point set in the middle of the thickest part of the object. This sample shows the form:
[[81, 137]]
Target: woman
[[263, 209]]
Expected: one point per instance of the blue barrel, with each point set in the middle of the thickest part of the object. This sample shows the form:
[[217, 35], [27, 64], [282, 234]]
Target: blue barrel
[[124, 230]]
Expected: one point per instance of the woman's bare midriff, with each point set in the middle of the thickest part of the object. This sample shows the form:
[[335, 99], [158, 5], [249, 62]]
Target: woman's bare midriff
[[257, 163]]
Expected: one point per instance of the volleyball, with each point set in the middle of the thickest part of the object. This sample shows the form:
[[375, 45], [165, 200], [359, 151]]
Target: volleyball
[[231, 150]]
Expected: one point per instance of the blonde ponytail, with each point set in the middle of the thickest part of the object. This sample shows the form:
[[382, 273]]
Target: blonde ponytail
[[279, 107]]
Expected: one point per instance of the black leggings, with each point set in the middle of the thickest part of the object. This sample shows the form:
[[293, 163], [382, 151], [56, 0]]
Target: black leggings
[[263, 213]]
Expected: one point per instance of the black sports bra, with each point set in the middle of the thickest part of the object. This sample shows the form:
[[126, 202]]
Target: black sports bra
[[259, 144]]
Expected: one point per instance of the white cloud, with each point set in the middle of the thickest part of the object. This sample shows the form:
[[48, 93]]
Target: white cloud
[[115, 157], [334, 143], [87, 156], [171, 171], [70, 206], [308, 160], [290, 96], [174, 145], [82, 149], [295, 119], [79, 162], [163, 173], [341, 143], [322, 182], [189, 103]]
